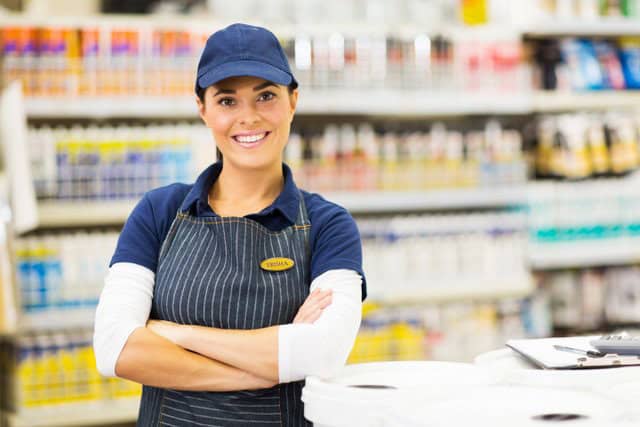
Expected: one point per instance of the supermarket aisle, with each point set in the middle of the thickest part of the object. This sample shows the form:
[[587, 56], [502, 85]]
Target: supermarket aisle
[[488, 151]]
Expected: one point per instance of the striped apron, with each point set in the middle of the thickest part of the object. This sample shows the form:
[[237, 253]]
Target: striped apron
[[209, 274]]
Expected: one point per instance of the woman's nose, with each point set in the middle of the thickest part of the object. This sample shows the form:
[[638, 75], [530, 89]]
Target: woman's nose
[[249, 115]]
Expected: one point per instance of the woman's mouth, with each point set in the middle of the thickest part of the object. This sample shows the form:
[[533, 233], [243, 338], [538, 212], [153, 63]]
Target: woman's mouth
[[250, 140]]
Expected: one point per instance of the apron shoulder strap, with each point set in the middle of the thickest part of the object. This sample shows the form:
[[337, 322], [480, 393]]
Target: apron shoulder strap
[[303, 217]]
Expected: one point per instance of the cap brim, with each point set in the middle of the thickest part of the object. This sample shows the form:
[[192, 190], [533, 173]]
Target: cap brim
[[244, 68]]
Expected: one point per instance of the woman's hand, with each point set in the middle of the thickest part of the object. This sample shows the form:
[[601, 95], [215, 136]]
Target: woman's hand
[[169, 330], [312, 307]]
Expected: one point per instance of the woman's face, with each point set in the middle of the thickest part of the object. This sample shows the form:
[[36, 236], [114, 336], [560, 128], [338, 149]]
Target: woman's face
[[250, 119]]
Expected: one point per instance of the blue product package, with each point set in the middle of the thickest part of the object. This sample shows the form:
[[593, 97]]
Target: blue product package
[[584, 70], [38, 275], [29, 292], [630, 60], [53, 274], [607, 55]]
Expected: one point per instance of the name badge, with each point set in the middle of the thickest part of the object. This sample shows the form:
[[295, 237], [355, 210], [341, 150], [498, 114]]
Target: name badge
[[277, 264]]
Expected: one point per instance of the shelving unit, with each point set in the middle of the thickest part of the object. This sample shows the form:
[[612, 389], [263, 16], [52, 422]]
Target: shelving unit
[[597, 253], [578, 27], [84, 214], [336, 102], [113, 107], [550, 102], [51, 320], [392, 102], [388, 103], [78, 414], [499, 288], [379, 103]]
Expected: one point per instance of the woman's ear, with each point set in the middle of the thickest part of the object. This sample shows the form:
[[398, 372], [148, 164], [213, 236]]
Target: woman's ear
[[293, 102], [201, 109]]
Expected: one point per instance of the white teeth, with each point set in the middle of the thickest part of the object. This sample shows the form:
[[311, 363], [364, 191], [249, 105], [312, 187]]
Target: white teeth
[[250, 138]]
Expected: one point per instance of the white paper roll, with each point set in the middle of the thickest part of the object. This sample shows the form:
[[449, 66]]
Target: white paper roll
[[502, 406], [363, 393]]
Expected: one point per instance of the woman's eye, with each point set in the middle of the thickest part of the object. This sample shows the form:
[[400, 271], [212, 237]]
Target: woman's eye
[[226, 102], [267, 96]]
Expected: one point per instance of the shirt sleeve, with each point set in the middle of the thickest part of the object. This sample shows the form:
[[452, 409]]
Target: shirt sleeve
[[139, 242], [336, 243], [321, 348], [124, 306]]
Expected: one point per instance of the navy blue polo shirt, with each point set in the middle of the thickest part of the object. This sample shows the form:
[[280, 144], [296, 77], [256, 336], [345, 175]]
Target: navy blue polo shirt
[[334, 237]]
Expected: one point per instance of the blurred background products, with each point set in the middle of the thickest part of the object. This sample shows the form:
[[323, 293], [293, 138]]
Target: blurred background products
[[62, 272], [111, 60], [43, 372], [357, 158], [106, 163], [586, 299], [580, 146], [587, 64], [487, 149]]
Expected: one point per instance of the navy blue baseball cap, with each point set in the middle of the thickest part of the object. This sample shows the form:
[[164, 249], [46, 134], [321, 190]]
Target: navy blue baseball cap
[[243, 50]]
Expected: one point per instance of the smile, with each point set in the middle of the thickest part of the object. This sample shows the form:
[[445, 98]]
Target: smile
[[250, 141]]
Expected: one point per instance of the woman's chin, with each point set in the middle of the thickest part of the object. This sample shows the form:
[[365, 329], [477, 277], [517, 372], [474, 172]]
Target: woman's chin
[[252, 164]]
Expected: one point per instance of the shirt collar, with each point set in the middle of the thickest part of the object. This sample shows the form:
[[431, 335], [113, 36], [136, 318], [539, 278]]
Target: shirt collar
[[286, 203]]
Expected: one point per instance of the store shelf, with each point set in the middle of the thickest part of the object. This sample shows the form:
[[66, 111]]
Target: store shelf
[[58, 319], [482, 289], [390, 201], [103, 413], [549, 102], [582, 27], [78, 214], [337, 101], [582, 254], [82, 214], [411, 103], [387, 103], [112, 107]]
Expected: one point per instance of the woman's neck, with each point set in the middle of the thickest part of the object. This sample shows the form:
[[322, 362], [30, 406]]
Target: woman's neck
[[241, 192]]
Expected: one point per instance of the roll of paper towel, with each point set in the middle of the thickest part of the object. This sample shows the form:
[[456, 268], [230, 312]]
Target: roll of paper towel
[[362, 394], [506, 406]]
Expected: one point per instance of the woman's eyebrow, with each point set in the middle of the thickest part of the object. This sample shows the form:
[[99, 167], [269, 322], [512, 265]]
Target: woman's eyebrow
[[255, 89], [263, 85], [224, 91]]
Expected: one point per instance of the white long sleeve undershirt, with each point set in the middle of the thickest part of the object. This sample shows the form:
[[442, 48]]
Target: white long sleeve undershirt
[[303, 349]]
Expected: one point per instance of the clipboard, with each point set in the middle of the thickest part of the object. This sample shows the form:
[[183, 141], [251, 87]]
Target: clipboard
[[542, 353]]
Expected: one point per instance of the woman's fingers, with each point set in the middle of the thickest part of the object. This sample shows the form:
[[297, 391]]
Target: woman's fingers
[[319, 299], [312, 308]]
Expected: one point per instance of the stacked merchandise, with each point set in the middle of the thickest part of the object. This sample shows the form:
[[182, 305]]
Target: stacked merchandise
[[426, 62], [107, 163], [588, 65], [606, 212], [595, 299], [43, 370], [579, 146], [412, 262], [350, 158], [100, 60], [105, 61], [62, 272], [588, 10], [455, 331], [439, 254]]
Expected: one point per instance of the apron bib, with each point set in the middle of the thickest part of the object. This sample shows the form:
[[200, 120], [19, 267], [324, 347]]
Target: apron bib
[[209, 274]]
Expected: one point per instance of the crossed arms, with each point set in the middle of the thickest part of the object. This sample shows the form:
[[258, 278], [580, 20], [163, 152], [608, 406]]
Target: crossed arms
[[197, 358]]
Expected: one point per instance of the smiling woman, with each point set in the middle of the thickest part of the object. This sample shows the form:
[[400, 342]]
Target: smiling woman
[[223, 295], [250, 119]]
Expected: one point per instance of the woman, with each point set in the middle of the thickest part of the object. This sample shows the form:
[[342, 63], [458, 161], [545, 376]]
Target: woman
[[251, 283]]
